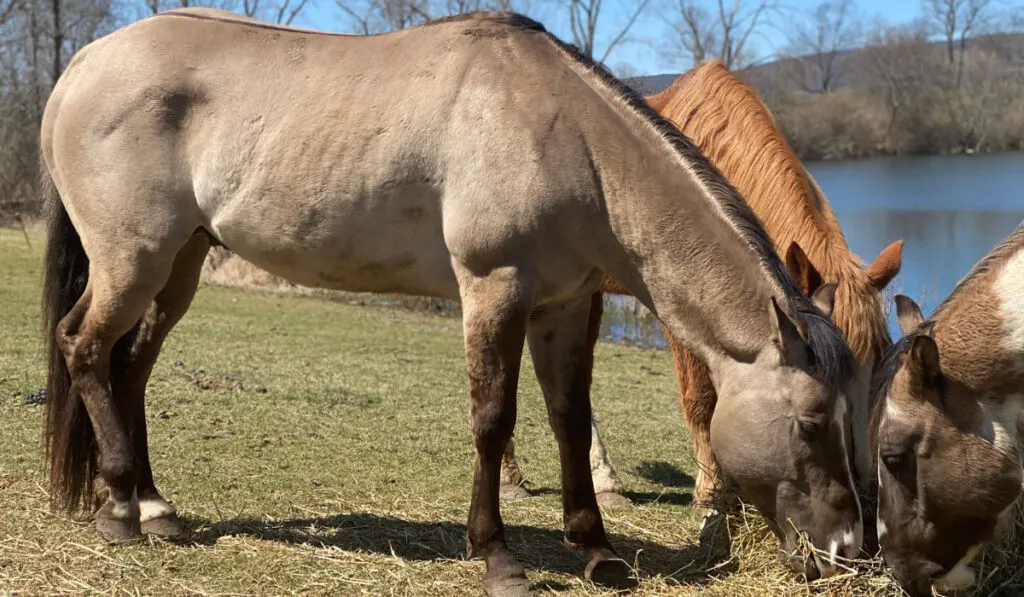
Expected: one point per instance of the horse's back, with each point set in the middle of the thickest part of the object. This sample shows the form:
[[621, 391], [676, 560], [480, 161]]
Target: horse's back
[[355, 162]]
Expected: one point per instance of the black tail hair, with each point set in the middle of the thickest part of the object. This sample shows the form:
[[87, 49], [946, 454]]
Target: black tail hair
[[68, 434]]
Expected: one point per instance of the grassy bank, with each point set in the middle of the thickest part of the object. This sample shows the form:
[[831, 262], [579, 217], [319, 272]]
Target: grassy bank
[[320, 448]]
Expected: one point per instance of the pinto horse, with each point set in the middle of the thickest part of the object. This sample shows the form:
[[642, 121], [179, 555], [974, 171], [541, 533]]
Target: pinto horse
[[504, 169], [948, 425], [730, 123]]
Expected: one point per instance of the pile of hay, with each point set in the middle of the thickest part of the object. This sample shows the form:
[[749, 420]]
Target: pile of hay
[[747, 565]]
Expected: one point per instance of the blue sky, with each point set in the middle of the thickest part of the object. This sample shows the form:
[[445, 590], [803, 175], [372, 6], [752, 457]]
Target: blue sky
[[651, 53]]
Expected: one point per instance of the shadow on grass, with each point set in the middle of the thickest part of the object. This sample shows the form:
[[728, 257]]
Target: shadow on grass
[[663, 473], [640, 498], [537, 548]]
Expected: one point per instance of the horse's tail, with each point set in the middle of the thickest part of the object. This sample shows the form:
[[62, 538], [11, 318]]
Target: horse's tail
[[68, 434]]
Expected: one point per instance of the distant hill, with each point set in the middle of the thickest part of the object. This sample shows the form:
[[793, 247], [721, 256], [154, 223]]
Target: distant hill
[[780, 76]]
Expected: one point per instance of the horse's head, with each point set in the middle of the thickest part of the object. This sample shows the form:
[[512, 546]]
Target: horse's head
[[780, 432], [948, 467], [860, 314]]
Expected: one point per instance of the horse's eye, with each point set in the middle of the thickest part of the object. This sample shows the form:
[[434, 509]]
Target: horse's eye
[[809, 428], [894, 462]]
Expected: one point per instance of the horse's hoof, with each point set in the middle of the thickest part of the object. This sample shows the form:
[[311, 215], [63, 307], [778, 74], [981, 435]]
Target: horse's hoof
[[711, 527], [611, 500], [508, 586], [610, 572], [116, 530], [168, 527], [512, 493]]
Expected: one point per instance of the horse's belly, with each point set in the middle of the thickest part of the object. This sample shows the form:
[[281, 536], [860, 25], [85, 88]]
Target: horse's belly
[[386, 245]]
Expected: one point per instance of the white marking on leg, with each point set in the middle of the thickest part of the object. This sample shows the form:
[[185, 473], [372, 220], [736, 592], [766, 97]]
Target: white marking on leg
[[154, 508], [601, 471], [125, 510]]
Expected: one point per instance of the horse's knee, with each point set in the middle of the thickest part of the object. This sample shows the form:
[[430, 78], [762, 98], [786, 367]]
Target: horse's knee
[[493, 422]]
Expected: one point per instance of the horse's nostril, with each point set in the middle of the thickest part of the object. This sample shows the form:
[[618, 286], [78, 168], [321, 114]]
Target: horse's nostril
[[800, 565]]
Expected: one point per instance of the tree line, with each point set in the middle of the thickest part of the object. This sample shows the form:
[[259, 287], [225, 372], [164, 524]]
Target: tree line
[[840, 84]]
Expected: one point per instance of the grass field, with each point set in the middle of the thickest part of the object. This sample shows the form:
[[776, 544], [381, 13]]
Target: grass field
[[318, 448]]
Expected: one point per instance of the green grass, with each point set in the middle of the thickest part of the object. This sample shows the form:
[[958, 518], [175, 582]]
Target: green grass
[[324, 449]]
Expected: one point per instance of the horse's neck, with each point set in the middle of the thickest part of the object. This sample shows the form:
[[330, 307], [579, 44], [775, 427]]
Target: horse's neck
[[685, 256], [980, 330]]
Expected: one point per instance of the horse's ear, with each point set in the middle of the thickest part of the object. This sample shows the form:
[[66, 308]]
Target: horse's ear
[[923, 361], [908, 314], [786, 330], [800, 269], [825, 298], [886, 265]]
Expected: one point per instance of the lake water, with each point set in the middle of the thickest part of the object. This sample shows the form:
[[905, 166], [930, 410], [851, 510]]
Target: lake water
[[949, 210]]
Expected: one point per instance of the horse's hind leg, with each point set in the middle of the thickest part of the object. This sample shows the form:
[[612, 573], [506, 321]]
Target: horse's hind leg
[[495, 308], [562, 357], [123, 280], [607, 485], [513, 482], [128, 382]]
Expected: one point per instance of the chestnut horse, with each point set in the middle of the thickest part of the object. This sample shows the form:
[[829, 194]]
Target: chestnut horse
[[948, 425], [476, 158], [727, 119]]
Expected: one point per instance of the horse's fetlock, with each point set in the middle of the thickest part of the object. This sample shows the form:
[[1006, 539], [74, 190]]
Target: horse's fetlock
[[493, 421], [119, 473]]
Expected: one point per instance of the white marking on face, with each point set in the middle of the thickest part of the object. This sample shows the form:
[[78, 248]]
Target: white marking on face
[[839, 416], [894, 411], [960, 576], [879, 523], [154, 508]]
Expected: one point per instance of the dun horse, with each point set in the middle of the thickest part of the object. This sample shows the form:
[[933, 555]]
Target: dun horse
[[476, 158], [948, 423], [729, 122]]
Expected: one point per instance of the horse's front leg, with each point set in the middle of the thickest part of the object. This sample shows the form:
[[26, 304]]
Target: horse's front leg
[[697, 398], [495, 309], [562, 357]]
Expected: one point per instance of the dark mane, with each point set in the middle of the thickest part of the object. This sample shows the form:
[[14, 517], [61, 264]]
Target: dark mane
[[881, 381], [833, 357]]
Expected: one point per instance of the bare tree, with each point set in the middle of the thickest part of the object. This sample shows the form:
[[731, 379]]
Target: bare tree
[[37, 37], [7, 9], [283, 11], [378, 16], [956, 21], [584, 16], [816, 44], [155, 6], [724, 32], [897, 62]]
